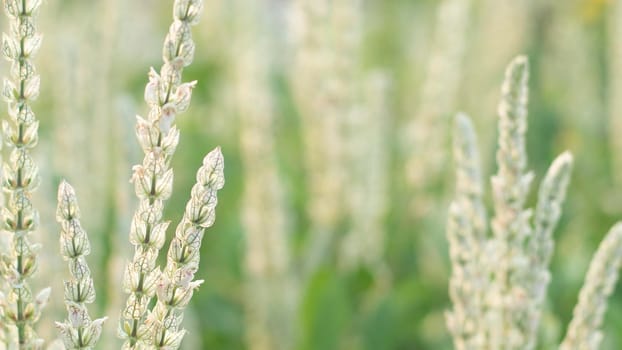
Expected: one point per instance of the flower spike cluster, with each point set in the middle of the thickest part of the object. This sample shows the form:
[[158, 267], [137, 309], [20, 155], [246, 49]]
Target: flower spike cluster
[[176, 285], [584, 329], [166, 96], [19, 308], [466, 233], [79, 331], [511, 223], [499, 280]]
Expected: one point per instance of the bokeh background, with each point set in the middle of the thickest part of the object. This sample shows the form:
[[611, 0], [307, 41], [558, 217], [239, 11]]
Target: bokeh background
[[334, 117]]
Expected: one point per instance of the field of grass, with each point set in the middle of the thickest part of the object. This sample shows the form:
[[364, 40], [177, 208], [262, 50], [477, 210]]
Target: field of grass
[[335, 120]]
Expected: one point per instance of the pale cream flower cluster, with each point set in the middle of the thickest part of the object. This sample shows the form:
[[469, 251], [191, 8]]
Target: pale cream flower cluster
[[78, 331], [425, 135], [321, 81], [175, 284], [584, 329], [466, 232], [270, 289], [344, 123], [498, 281], [19, 309], [143, 325], [166, 96]]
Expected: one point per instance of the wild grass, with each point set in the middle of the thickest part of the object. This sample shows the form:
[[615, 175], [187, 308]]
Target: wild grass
[[143, 324], [335, 118], [499, 280]]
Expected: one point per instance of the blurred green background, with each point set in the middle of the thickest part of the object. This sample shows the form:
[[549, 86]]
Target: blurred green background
[[94, 66]]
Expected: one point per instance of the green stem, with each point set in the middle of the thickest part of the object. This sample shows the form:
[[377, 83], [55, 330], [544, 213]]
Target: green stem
[[133, 338], [80, 343], [168, 313], [21, 329]]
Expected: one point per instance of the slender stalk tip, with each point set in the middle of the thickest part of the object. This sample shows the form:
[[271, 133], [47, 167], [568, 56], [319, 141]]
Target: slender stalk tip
[[65, 189], [520, 62], [584, 331], [563, 162], [464, 132]]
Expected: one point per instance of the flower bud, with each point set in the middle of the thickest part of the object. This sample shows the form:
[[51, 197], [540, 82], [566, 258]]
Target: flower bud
[[13, 8], [43, 297], [170, 141], [9, 92], [167, 117], [77, 315], [211, 174], [10, 48], [67, 208], [183, 95], [147, 134], [32, 6], [31, 90], [32, 45], [152, 89]]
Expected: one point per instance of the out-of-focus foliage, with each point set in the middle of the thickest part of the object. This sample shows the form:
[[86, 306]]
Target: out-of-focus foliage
[[93, 65]]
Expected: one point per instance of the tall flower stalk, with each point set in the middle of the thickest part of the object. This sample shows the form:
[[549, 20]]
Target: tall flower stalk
[[364, 242], [584, 329], [270, 290], [499, 281], [510, 224], [426, 134], [79, 331], [20, 310], [166, 96], [467, 233], [322, 77], [175, 284]]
